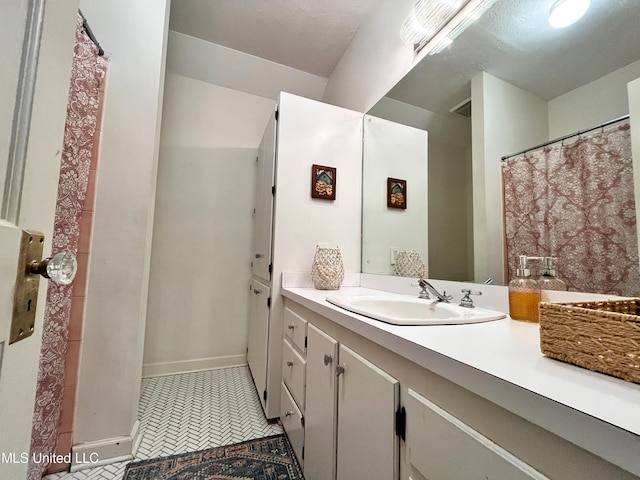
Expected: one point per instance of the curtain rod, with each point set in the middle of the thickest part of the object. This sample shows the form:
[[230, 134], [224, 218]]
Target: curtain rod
[[87, 29], [605, 124]]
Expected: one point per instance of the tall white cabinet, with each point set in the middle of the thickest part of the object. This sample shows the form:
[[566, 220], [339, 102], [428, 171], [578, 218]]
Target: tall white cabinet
[[289, 223]]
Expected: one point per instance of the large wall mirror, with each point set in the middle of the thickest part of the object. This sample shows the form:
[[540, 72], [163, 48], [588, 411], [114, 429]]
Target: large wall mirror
[[579, 79]]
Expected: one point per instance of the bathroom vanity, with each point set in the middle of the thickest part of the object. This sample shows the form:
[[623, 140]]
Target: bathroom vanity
[[367, 399]]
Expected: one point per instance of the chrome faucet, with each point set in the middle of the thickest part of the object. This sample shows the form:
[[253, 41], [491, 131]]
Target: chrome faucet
[[424, 286]]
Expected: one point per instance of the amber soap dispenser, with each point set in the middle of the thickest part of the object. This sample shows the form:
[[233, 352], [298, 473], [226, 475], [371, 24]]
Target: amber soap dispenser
[[524, 293]]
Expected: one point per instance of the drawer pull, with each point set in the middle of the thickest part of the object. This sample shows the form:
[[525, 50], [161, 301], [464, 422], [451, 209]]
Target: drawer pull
[[289, 363], [327, 359]]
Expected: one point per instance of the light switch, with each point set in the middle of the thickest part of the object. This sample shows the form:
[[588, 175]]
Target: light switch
[[393, 254]]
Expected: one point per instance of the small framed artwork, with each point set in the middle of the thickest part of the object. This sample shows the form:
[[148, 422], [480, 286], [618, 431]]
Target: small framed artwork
[[396, 193], [323, 182]]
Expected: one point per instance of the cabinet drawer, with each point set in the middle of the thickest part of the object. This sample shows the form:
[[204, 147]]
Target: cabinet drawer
[[294, 372], [292, 422], [295, 329]]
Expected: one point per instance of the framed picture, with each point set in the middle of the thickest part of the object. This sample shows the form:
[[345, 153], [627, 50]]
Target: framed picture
[[396, 193], [323, 182]]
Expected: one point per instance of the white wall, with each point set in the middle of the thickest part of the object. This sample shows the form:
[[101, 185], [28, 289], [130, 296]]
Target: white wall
[[397, 151], [200, 263], [218, 65], [375, 60], [450, 212], [134, 36], [217, 103], [505, 120], [595, 103], [450, 129]]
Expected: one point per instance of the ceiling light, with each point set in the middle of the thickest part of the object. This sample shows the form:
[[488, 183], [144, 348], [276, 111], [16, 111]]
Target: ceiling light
[[565, 12], [435, 24]]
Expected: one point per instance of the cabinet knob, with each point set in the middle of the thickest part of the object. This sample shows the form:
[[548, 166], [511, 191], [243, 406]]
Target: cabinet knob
[[339, 370], [288, 413], [256, 291], [327, 359], [291, 327], [259, 255], [289, 363]]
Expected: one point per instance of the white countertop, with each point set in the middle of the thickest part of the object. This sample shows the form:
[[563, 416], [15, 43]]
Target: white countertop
[[501, 361]]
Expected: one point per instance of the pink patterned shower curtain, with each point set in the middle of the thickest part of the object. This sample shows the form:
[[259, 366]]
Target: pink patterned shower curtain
[[88, 73], [576, 202]]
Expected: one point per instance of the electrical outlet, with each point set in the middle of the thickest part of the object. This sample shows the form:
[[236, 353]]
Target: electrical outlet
[[393, 254]]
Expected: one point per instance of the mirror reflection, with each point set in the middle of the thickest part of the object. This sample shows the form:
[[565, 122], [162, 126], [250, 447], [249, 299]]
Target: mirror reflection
[[508, 83]]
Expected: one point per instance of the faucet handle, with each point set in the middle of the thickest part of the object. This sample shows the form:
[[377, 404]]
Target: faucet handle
[[466, 301], [424, 294]]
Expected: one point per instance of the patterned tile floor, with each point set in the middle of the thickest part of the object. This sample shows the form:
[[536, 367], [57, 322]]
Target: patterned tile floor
[[188, 412]]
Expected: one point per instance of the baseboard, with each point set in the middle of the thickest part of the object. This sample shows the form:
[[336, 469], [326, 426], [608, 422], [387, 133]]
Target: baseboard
[[104, 452], [188, 366]]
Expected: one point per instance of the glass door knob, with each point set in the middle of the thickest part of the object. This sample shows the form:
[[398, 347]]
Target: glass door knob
[[61, 268]]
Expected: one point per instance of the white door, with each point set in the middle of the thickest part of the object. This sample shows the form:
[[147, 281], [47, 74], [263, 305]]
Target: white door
[[320, 411], [368, 448], [258, 335], [263, 213], [29, 169]]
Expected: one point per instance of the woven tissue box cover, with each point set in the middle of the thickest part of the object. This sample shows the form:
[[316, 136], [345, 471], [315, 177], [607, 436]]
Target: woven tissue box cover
[[602, 336]]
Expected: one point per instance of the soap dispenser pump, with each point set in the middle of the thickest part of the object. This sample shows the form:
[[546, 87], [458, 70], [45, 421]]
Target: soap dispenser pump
[[524, 293], [549, 279]]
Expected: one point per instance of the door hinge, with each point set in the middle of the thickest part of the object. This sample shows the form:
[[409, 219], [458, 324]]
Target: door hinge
[[273, 190], [270, 267], [303, 452], [264, 395], [401, 423], [276, 114], [305, 343], [269, 302]]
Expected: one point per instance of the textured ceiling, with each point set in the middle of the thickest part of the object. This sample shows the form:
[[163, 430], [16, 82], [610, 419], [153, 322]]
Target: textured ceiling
[[512, 41], [310, 35]]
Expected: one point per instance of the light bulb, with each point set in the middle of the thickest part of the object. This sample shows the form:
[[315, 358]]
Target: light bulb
[[565, 12]]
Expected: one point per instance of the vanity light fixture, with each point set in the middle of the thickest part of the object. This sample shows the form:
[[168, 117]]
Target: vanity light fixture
[[435, 24], [565, 12]]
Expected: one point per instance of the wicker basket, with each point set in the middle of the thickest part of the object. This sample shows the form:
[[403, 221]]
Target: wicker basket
[[603, 336]]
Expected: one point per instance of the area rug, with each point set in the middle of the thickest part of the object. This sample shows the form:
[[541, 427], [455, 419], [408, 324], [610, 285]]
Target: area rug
[[268, 458]]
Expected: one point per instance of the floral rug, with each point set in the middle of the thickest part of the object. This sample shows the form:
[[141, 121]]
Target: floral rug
[[268, 458]]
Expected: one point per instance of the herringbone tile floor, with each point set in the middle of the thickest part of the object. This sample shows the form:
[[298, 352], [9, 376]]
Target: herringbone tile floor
[[188, 412]]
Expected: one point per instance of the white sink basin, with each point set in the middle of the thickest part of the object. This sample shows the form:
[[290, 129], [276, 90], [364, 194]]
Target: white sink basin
[[410, 310]]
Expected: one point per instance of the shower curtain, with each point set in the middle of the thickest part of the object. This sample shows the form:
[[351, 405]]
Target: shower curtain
[[576, 202], [88, 73]]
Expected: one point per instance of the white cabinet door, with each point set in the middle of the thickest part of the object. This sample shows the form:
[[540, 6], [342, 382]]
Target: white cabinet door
[[320, 411], [258, 334], [442, 447], [263, 212], [368, 447]]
